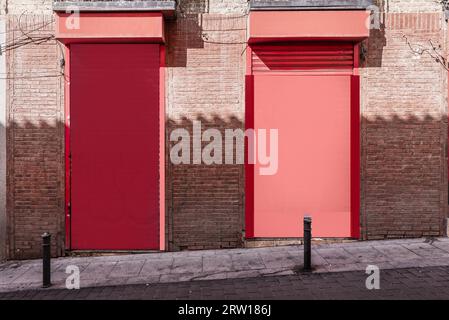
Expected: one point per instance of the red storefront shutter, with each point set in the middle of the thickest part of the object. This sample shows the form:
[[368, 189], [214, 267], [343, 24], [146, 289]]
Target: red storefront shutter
[[304, 91], [114, 102]]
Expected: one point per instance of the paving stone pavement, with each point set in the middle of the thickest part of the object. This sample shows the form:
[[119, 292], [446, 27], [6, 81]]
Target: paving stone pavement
[[398, 284], [170, 267]]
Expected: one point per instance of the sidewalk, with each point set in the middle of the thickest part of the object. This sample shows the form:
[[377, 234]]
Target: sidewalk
[[397, 284], [227, 264]]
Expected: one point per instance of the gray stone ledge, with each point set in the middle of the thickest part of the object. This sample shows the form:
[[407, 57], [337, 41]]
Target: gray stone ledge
[[111, 6], [310, 4]]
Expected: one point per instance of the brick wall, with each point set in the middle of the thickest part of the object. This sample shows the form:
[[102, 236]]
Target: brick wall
[[2, 7], [404, 125], [410, 6], [27, 6], [2, 142], [35, 197], [205, 81]]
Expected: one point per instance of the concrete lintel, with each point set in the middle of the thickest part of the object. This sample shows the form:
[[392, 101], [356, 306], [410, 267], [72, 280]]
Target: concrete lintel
[[112, 6], [310, 4]]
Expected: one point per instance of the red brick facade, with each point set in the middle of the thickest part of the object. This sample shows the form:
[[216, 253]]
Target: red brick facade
[[404, 129], [205, 77], [35, 139], [404, 185]]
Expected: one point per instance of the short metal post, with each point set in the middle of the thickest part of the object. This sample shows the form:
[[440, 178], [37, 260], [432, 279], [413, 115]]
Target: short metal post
[[307, 244], [46, 260]]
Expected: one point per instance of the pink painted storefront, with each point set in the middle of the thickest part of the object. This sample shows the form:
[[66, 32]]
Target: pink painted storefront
[[302, 78]]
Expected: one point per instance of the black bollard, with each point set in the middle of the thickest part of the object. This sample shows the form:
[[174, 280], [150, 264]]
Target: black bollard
[[46, 260], [307, 244]]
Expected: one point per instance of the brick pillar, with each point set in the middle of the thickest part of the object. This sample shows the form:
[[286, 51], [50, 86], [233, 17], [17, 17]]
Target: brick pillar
[[2, 142], [35, 197], [205, 81], [404, 125]]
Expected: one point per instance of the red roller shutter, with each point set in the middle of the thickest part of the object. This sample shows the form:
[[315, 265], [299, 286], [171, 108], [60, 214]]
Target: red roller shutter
[[114, 146], [303, 58], [304, 91]]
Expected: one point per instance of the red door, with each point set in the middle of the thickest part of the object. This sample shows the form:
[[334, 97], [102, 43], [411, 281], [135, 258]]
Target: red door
[[114, 111], [304, 91]]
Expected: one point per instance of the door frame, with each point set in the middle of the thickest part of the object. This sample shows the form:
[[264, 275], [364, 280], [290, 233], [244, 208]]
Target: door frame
[[355, 146]]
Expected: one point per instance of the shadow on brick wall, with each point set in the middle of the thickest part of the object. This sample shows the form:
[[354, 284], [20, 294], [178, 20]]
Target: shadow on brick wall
[[372, 49], [35, 187], [404, 186], [185, 32], [404, 177], [205, 209]]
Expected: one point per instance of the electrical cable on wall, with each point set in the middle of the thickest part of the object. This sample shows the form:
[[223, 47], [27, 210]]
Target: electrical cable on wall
[[25, 39], [420, 50], [41, 24], [33, 77], [19, 41]]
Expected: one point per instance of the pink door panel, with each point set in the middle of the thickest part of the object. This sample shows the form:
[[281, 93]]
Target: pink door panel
[[313, 116]]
